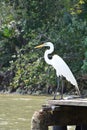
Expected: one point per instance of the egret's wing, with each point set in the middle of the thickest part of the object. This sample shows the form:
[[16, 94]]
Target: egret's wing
[[62, 69]]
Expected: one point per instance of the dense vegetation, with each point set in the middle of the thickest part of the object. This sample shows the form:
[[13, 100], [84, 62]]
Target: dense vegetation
[[27, 23]]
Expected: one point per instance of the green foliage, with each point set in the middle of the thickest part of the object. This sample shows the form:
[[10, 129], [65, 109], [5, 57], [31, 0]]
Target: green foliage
[[84, 67], [24, 24]]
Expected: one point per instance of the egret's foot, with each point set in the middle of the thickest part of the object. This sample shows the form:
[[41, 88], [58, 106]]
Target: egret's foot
[[54, 98], [55, 94], [58, 99], [61, 98]]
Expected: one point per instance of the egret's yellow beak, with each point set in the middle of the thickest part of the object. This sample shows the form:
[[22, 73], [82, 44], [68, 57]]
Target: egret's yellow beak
[[39, 46]]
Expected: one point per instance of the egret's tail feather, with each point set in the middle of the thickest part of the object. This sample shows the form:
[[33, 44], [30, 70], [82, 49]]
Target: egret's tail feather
[[78, 91]]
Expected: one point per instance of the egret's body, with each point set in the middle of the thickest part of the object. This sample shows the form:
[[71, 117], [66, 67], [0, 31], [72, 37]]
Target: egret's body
[[62, 69]]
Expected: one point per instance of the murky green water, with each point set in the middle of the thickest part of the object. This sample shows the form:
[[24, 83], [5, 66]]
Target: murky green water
[[16, 111]]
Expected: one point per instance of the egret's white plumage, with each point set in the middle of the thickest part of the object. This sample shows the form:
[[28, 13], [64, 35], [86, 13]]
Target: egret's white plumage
[[59, 64]]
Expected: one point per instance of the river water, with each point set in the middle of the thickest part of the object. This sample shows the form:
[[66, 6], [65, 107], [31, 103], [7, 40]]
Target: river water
[[16, 111]]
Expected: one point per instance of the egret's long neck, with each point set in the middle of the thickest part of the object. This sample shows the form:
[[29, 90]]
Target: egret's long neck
[[47, 52]]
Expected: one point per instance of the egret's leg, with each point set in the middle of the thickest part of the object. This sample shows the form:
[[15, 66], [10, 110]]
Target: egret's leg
[[55, 94]]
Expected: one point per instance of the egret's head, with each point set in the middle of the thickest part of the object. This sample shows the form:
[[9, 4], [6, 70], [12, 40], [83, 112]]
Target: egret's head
[[45, 44]]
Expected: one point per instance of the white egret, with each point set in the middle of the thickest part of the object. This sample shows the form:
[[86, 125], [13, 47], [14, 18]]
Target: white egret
[[62, 69]]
